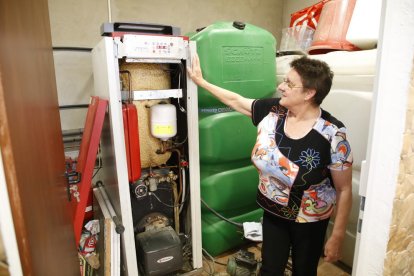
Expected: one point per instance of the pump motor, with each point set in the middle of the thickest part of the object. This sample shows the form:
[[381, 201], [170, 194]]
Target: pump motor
[[242, 263]]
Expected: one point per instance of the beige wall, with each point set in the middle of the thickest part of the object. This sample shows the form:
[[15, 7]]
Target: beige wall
[[400, 250], [77, 23], [190, 15]]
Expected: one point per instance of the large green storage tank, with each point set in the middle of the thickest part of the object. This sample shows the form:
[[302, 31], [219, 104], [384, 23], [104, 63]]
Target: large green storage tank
[[239, 57], [236, 56]]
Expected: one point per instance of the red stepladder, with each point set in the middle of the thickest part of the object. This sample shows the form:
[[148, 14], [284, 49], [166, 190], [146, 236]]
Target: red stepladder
[[82, 190]]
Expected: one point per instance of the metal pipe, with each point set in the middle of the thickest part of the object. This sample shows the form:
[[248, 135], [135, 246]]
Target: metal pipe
[[176, 210], [130, 93], [119, 228], [183, 194], [73, 106], [179, 170], [72, 132], [109, 11], [72, 139]]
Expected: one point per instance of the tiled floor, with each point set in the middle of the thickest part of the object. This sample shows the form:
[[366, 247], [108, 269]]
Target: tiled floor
[[220, 265]]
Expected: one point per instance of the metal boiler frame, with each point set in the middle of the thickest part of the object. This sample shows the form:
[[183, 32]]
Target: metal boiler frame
[[114, 174]]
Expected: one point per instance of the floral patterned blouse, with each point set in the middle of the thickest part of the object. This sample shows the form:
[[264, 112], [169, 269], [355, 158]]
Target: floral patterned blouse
[[294, 174]]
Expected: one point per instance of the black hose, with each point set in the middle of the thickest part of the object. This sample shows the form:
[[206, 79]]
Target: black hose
[[240, 225]]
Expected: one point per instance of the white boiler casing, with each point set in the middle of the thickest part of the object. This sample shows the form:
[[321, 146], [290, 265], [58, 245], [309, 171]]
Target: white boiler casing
[[108, 57]]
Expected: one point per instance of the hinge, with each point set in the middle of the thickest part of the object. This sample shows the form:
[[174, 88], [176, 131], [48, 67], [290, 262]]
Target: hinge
[[361, 214]]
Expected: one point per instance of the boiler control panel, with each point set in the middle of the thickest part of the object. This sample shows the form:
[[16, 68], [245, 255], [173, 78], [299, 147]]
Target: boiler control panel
[[152, 47]]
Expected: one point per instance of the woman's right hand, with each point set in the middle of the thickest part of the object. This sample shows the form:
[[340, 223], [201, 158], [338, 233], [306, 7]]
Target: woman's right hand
[[195, 71]]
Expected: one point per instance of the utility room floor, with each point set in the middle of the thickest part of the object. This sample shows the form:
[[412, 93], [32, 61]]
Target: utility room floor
[[219, 268], [220, 264]]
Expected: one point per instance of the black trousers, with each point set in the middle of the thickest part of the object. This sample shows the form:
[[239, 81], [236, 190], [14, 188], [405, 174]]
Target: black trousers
[[305, 241]]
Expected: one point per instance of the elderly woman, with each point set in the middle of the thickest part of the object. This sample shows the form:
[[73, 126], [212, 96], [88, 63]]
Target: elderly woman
[[304, 163]]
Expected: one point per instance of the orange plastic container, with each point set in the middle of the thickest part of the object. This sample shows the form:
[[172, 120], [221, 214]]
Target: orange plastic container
[[330, 34]]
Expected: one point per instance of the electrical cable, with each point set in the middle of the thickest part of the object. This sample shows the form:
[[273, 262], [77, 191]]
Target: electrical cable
[[212, 258], [96, 172], [212, 269], [240, 225], [181, 72], [211, 272], [176, 144], [182, 109], [220, 263], [163, 203]]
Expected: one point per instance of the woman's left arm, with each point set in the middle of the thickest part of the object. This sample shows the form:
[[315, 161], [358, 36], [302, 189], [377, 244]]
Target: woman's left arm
[[343, 185]]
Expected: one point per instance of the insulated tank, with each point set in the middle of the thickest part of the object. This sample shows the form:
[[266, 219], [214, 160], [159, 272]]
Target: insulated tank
[[239, 57]]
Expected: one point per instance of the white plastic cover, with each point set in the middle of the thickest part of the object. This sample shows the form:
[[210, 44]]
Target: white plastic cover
[[363, 30]]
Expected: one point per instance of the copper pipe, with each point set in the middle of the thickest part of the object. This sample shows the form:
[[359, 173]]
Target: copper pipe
[[176, 209], [164, 148], [179, 171]]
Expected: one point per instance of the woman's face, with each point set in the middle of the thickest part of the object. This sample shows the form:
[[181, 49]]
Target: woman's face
[[291, 90]]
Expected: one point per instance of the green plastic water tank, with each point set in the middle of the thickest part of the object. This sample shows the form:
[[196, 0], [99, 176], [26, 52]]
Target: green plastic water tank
[[231, 190], [226, 137], [236, 56], [239, 57], [219, 235]]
